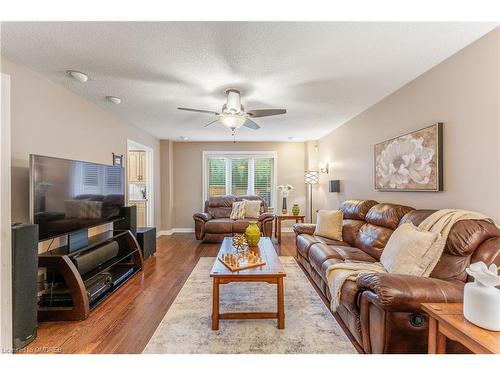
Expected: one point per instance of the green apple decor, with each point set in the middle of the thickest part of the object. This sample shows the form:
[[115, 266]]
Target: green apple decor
[[295, 209], [253, 234]]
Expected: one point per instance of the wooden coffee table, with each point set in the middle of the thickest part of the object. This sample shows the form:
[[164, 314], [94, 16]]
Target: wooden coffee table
[[272, 273]]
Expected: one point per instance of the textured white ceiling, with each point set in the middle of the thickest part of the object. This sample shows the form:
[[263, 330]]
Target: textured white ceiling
[[322, 73]]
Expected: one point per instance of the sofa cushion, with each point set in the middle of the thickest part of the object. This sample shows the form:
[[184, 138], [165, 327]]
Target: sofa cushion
[[220, 206], [356, 209], [416, 217], [252, 209], [263, 204], [238, 211], [387, 215], [329, 224], [224, 225], [304, 242], [409, 251], [465, 237], [372, 239], [329, 241], [350, 230], [319, 253]]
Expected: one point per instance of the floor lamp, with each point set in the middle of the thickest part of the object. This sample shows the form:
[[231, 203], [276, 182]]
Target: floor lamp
[[311, 178]]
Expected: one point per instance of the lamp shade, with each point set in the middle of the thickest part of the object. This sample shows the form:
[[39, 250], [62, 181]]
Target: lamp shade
[[334, 186], [311, 177]]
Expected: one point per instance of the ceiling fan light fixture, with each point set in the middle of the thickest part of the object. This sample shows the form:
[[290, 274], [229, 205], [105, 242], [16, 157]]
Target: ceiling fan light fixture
[[232, 121]]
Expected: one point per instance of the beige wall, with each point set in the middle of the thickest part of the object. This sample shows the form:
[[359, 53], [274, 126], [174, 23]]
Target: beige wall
[[188, 170], [167, 188], [463, 92], [48, 119]]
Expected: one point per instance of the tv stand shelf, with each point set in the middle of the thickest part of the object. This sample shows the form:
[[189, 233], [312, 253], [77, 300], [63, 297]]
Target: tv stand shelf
[[129, 259], [93, 241]]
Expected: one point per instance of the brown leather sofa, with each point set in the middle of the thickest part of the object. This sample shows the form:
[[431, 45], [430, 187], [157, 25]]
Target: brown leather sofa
[[214, 224], [382, 311]]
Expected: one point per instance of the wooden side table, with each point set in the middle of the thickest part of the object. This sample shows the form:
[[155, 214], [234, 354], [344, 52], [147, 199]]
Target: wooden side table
[[282, 217], [446, 320]]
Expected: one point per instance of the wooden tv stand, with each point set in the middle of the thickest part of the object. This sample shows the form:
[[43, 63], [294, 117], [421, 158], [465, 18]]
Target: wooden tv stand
[[60, 265]]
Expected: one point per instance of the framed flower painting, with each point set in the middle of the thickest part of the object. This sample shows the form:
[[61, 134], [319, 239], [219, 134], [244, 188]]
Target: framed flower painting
[[411, 162]]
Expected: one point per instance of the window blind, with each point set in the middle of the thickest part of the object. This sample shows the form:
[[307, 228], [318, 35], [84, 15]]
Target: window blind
[[216, 176], [239, 176], [263, 173]]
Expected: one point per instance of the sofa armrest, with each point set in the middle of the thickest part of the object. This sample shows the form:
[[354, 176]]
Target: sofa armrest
[[394, 292], [266, 216], [202, 216], [304, 228]]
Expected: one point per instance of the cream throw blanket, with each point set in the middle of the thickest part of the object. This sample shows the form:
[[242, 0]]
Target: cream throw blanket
[[439, 222]]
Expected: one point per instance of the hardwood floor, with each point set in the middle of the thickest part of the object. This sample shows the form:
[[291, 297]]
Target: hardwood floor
[[127, 320]]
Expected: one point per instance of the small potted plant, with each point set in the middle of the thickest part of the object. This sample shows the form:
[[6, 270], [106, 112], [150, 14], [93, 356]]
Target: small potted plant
[[285, 191]]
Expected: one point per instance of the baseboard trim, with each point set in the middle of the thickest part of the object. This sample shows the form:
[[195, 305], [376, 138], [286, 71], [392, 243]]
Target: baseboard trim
[[169, 232]]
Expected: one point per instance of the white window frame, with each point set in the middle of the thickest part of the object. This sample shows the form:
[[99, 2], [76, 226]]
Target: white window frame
[[207, 154]]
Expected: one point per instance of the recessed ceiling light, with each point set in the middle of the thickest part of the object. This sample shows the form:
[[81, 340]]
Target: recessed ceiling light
[[113, 99], [79, 76], [294, 139], [183, 138]]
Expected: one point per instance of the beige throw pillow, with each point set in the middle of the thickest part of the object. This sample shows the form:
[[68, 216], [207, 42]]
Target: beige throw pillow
[[252, 209], [329, 224], [238, 211], [405, 252]]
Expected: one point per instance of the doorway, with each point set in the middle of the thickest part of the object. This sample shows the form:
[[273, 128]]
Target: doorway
[[140, 184]]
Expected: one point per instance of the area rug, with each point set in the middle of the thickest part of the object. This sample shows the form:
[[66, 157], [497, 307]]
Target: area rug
[[309, 325]]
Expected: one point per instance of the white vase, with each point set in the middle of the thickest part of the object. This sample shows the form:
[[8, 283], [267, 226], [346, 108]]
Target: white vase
[[482, 305]]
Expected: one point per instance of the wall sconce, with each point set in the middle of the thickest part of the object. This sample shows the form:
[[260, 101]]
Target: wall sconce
[[323, 167], [334, 186]]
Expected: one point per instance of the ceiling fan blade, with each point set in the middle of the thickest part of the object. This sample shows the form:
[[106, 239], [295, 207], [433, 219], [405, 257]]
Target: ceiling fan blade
[[265, 112], [210, 123], [198, 110], [250, 124]]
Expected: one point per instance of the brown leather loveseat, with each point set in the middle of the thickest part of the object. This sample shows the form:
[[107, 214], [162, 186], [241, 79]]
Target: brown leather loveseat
[[214, 224], [382, 311]]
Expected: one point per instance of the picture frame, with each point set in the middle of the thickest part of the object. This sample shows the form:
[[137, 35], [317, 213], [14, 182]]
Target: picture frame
[[410, 162], [117, 159]]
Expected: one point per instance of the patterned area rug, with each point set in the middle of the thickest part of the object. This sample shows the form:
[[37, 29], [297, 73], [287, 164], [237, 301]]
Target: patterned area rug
[[309, 326]]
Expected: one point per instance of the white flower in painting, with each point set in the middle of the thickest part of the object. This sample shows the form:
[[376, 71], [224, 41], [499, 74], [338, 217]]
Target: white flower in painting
[[403, 161]]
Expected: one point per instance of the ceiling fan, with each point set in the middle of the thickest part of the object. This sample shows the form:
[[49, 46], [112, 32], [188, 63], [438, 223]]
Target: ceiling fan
[[234, 116]]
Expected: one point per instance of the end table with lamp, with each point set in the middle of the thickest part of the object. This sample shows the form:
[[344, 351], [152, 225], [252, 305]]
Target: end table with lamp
[[279, 218]]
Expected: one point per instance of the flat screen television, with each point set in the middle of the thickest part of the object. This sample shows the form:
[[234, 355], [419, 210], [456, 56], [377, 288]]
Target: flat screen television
[[70, 195]]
